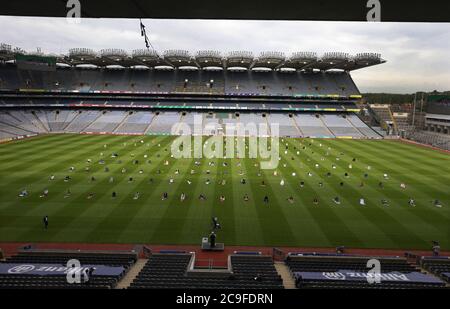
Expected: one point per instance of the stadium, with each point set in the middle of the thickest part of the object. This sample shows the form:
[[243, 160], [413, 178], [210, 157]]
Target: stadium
[[90, 173]]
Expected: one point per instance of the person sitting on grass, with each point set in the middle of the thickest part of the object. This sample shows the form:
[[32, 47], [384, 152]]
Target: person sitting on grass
[[189, 182], [114, 194], [182, 197], [403, 185], [316, 201], [44, 193], [23, 193], [341, 184], [52, 177], [362, 202], [207, 182], [336, 200], [202, 197], [290, 199], [130, 179], [381, 185], [171, 181], [222, 198], [67, 179], [437, 203], [302, 184], [90, 196], [385, 203], [165, 195], [412, 203], [246, 198], [243, 181], [136, 196], [266, 199], [263, 184]]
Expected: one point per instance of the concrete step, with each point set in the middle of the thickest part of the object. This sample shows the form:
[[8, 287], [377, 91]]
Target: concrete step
[[284, 272], [132, 274]]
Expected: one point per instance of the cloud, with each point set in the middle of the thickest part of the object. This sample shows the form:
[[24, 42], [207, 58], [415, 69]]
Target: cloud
[[417, 53]]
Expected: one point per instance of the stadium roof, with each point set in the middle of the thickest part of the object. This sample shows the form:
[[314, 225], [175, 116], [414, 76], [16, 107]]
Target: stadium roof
[[349, 10], [209, 58]]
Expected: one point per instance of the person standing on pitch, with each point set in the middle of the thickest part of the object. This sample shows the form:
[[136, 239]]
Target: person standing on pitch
[[212, 239], [45, 219]]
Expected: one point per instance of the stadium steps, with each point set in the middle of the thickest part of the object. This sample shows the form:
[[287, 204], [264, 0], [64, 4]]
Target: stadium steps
[[349, 120], [92, 122], [355, 127], [41, 123], [269, 131], [285, 273], [125, 119], [132, 273], [326, 127], [70, 122], [296, 125], [150, 124]]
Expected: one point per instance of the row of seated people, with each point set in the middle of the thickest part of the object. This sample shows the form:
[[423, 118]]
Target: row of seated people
[[174, 271], [316, 271], [439, 266], [32, 269]]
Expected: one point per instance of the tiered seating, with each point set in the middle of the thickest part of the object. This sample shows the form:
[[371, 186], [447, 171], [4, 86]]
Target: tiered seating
[[431, 138], [362, 127], [162, 123], [248, 119], [61, 257], [339, 126], [117, 265], [286, 125], [107, 122], [137, 122], [18, 120], [350, 272], [84, 119], [312, 126], [173, 271], [58, 120], [439, 266]]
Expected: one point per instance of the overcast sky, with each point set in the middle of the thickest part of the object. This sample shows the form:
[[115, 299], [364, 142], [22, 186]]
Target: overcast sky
[[417, 54]]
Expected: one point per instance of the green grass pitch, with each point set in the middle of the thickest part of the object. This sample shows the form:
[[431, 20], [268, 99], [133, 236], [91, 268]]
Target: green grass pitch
[[28, 164]]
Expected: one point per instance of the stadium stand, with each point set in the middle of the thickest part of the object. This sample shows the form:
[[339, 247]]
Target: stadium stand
[[176, 271], [315, 271], [311, 125], [107, 122], [47, 269], [135, 122], [83, 120], [440, 266], [437, 140], [340, 127]]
